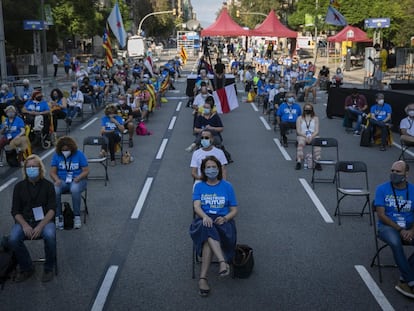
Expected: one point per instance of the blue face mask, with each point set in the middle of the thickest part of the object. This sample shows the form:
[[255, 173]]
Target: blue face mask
[[32, 172], [291, 100], [205, 143], [211, 172]]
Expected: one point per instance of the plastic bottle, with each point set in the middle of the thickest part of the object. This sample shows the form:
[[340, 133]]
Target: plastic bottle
[[305, 165]]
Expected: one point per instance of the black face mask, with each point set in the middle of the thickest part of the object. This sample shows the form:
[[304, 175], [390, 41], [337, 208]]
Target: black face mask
[[307, 111], [38, 99]]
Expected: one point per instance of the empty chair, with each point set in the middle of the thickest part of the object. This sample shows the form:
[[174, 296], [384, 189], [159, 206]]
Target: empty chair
[[329, 157], [352, 181], [92, 146]]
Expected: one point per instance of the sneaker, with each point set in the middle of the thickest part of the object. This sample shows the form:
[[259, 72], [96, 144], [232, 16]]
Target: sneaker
[[382, 148], [1, 164], [112, 163], [357, 133], [298, 166], [131, 143], [47, 276], [318, 167], [59, 224], [190, 148], [24, 275], [405, 289], [77, 223]]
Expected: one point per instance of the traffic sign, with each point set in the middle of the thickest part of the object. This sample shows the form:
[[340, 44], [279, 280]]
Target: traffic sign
[[33, 25], [377, 22]]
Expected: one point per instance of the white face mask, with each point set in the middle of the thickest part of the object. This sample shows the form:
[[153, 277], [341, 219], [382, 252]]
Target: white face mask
[[411, 113], [67, 153], [380, 101]]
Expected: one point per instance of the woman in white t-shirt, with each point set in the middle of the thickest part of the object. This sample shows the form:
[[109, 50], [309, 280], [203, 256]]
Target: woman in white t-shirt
[[407, 126]]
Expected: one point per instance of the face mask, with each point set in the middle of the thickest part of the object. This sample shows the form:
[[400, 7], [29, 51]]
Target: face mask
[[211, 172], [396, 178], [32, 172], [206, 110], [66, 153], [12, 114], [291, 100], [205, 143], [121, 102], [308, 111], [38, 98], [54, 97], [263, 78], [380, 101], [411, 113], [310, 75]]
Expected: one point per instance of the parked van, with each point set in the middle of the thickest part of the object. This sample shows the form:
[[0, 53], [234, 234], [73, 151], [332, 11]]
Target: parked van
[[136, 47]]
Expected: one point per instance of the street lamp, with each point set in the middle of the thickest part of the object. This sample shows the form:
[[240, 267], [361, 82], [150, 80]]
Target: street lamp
[[44, 45], [173, 11]]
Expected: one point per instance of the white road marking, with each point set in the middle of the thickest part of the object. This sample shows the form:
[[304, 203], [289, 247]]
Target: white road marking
[[176, 97], [174, 91], [47, 153], [142, 198], [8, 183], [374, 289], [254, 107], [282, 149], [407, 151], [172, 122], [162, 149], [89, 123], [103, 292], [266, 125], [179, 106], [318, 204]]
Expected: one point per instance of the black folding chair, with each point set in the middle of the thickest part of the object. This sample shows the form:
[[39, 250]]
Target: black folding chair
[[329, 157], [94, 144], [352, 181]]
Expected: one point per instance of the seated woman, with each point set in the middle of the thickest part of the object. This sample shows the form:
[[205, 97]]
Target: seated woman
[[208, 119], [112, 127], [406, 126], [13, 132], [75, 103], [337, 78], [213, 230], [35, 107], [69, 172], [58, 105], [307, 128]]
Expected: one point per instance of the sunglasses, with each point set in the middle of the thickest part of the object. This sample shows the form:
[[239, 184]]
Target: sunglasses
[[205, 137]]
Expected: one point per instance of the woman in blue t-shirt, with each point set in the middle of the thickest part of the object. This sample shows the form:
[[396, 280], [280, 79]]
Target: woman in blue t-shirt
[[112, 126], [69, 173], [213, 230]]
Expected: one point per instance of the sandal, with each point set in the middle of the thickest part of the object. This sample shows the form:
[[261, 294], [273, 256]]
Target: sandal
[[203, 292], [226, 271]]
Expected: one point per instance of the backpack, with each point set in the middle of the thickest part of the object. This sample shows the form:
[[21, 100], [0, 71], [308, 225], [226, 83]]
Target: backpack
[[8, 262], [142, 129], [68, 216], [243, 261]]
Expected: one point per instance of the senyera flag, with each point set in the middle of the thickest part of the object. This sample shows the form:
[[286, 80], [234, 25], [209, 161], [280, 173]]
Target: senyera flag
[[117, 26], [226, 99], [106, 43], [183, 54]]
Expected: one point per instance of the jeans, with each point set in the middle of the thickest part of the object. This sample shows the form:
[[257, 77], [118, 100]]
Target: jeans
[[358, 114], [76, 190], [16, 242], [73, 112], [384, 130], [406, 266]]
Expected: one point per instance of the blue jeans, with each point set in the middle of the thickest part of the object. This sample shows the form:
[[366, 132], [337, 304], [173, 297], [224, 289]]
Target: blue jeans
[[358, 114], [16, 243], [76, 190], [406, 265], [73, 112], [384, 130]]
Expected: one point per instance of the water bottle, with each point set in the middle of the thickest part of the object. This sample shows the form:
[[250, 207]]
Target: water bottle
[[305, 165], [61, 222]]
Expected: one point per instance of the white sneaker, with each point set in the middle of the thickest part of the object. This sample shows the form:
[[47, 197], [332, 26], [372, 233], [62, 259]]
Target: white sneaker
[[190, 148], [77, 222], [59, 224]]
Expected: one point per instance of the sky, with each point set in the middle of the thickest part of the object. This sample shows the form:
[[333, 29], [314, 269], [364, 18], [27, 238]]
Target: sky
[[206, 10]]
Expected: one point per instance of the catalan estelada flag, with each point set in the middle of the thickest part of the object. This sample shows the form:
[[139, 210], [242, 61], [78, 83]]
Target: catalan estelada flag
[[183, 54], [106, 43]]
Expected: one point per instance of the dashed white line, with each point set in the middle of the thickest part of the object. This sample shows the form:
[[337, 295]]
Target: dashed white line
[[47, 153], [407, 151], [103, 292], [142, 197], [282, 149], [89, 123], [178, 106], [172, 122], [162, 149], [318, 204], [8, 183], [266, 125], [254, 107], [374, 289]]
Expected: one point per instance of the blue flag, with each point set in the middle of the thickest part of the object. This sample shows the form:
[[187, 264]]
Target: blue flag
[[333, 17]]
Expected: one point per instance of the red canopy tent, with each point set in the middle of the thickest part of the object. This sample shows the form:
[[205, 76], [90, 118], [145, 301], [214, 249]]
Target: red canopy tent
[[350, 33], [272, 27], [224, 26]]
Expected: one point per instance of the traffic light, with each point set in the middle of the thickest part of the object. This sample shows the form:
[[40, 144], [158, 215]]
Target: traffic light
[[174, 11], [238, 13]]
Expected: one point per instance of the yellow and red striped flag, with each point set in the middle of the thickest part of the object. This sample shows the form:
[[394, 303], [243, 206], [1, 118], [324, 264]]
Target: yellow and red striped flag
[[183, 54], [106, 43]]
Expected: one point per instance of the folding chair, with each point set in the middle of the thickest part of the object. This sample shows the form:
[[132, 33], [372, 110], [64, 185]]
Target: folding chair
[[404, 147], [328, 158], [352, 181], [41, 258], [95, 142], [84, 197]]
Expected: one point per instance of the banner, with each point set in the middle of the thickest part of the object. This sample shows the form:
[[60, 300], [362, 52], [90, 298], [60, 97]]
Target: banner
[[106, 43], [226, 99]]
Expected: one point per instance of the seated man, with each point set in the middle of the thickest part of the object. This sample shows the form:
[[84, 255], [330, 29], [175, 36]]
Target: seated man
[[380, 117], [88, 93], [33, 210], [35, 107], [6, 98], [142, 98], [126, 113], [23, 94], [394, 204], [355, 108], [337, 78], [310, 86], [75, 103], [207, 149], [286, 116], [324, 78], [406, 126]]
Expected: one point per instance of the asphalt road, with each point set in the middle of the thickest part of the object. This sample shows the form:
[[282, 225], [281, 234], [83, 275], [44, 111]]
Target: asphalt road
[[134, 252]]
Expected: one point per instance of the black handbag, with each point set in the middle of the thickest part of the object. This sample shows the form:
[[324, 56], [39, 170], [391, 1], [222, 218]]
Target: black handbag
[[365, 137], [243, 261]]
